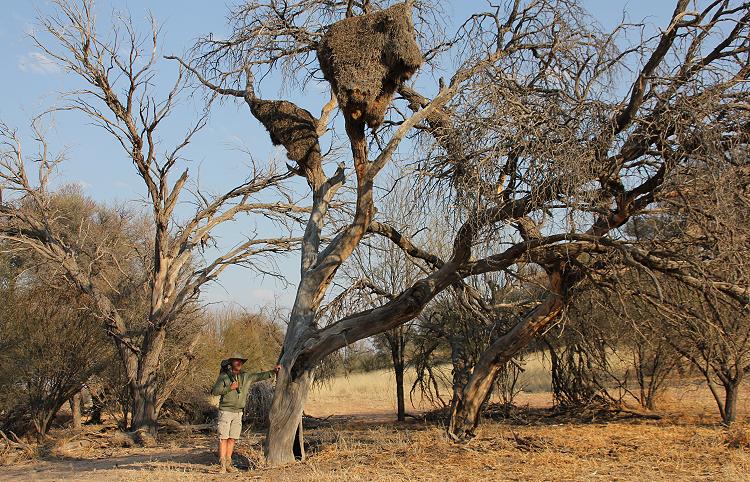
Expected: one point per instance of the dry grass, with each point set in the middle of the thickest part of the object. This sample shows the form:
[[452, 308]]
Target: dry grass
[[375, 392], [622, 451], [417, 451]]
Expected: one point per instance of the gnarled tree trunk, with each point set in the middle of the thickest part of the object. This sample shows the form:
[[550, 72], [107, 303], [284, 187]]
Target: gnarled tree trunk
[[285, 440]]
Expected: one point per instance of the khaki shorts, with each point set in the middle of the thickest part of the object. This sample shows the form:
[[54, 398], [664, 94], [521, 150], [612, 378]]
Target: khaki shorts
[[229, 425]]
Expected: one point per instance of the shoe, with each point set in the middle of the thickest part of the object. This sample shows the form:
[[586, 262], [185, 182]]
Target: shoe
[[229, 466], [222, 466]]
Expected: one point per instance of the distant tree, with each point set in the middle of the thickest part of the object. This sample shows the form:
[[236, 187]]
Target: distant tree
[[708, 330], [378, 270], [603, 357]]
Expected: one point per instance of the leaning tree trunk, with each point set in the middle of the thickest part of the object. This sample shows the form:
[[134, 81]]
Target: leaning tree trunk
[[466, 412]]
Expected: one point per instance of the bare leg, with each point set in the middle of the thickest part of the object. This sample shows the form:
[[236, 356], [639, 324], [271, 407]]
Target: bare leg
[[223, 448], [229, 448]]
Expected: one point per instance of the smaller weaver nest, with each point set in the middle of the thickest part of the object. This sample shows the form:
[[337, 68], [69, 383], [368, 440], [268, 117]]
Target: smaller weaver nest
[[367, 58], [290, 126]]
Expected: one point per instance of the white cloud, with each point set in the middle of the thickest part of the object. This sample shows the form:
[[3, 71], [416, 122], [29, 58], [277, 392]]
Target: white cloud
[[38, 63]]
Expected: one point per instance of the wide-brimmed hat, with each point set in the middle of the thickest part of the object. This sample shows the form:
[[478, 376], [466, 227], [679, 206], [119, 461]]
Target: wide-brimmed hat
[[238, 356]]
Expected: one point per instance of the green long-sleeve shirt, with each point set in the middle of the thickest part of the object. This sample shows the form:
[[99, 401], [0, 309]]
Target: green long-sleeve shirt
[[233, 400]]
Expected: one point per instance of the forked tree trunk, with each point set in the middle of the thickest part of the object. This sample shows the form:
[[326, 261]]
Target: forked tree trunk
[[466, 410], [285, 440], [727, 403], [41, 423]]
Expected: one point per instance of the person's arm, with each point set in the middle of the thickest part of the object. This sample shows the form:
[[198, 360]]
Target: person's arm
[[222, 386], [257, 377], [260, 376]]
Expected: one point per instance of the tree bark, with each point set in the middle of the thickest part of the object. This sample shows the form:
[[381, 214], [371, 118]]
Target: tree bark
[[285, 440], [467, 409], [731, 391], [398, 368], [75, 410], [396, 342], [143, 411], [461, 372], [143, 384]]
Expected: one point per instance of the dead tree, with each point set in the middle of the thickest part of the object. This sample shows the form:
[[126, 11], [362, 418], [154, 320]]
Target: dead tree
[[117, 72], [537, 160]]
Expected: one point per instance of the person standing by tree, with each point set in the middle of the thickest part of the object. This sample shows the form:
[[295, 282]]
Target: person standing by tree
[[233, 386]]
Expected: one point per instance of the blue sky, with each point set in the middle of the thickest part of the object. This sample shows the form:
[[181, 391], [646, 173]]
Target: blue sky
[[32, 83]]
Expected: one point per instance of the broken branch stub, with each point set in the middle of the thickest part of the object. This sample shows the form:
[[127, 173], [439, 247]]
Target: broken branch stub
[[367, 58]]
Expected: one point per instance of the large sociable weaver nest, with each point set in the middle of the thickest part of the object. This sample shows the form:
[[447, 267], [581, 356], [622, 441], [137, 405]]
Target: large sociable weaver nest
[[366, 58]]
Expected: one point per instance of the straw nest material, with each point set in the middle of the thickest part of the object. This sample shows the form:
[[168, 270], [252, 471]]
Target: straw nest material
[[289, 126], [367, 58]]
